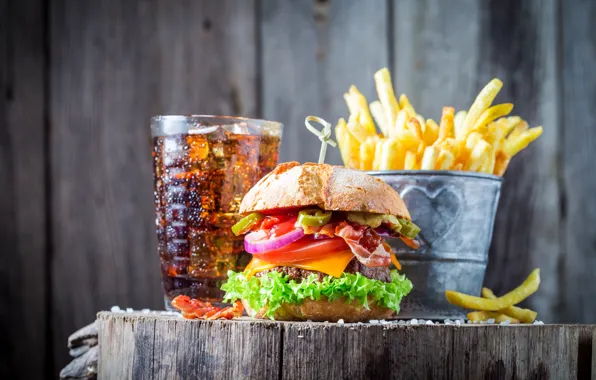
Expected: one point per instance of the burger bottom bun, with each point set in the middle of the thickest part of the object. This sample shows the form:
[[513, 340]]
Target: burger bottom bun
[[323, 310]]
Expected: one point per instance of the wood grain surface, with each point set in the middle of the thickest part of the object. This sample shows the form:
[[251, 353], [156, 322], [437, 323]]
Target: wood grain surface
[[80, 80], [134, 345], [23, 259]]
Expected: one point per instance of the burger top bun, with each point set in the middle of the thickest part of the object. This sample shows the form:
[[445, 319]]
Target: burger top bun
[[331, 188], [323, 310]]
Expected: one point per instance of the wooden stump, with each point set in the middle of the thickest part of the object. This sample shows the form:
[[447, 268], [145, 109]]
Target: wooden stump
[[139, 346]]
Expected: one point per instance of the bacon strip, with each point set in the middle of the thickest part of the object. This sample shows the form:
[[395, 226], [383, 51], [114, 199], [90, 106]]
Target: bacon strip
[[195, 309], [365, 243]]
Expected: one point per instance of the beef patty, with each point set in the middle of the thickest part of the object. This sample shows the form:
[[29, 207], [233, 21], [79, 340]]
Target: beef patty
[[355, 266]]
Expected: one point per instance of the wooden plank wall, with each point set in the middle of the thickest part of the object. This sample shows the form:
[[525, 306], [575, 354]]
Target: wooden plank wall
[[79, 81]]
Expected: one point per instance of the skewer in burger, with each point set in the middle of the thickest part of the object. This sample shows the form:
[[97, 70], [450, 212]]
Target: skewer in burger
[[316, 234]]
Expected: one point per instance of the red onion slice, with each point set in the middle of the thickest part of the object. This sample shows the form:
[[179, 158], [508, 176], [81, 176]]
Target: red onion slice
[[257, 242]]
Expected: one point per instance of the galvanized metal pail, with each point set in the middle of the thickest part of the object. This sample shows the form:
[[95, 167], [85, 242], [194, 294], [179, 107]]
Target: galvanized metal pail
[[455, 212]]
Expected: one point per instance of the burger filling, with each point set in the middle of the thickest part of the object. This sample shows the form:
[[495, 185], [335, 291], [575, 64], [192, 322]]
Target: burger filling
[[315, 253]]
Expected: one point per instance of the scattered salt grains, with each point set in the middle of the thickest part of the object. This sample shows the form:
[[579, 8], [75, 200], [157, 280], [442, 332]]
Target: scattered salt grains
[[429, 323], [340, 322], [537, 323], [115, 309], [414, 321], [505, 322], [458, 321], [145, 311], [373, 321], [129, 310], [491, 321]]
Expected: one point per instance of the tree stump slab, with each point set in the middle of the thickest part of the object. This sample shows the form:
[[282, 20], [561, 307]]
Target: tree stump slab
[[154, 346]]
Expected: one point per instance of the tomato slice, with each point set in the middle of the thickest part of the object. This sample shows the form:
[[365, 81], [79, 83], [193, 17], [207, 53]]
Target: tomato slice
[[303, 249]]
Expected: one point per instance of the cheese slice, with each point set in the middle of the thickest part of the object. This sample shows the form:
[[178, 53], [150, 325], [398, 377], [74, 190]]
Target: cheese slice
[[333, 265]]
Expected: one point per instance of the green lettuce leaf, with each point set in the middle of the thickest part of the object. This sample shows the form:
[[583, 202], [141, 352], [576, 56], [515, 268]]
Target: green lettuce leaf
[[275, 289]]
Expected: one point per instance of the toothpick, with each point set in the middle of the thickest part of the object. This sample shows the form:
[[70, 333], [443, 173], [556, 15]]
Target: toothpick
[[324, 135]]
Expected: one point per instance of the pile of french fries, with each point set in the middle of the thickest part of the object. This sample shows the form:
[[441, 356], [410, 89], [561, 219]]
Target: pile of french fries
[[482, 139], [499, 309]]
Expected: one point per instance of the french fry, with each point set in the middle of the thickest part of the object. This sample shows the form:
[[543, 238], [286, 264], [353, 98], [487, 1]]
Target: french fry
[[413, 125], [446, 128], [479, 316], [488, 166], [431, 132], [357, 102], [429, 159], [518, 129], [410, 161], [392, 156], [378, 113], [459, 118], [349, 145], [454, 146], [507, 124], [523, 315], [492, 114], [458, 167], [386, 96], [357, 129], [400, 123], [445, 159], [367, 153], [477, 156], [482, 102], [527, 288], [501, 163], [514, 145], [378, 154], [404, 103]]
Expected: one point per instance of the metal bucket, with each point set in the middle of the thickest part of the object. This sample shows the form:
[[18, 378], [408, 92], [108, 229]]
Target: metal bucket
[[455, 212]]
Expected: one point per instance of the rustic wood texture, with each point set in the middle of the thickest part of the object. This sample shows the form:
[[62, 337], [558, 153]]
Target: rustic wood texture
[[578, 146], [157, 346], [114, 64], [144, 346], [79, 81], [23, 260], [312, 51], [527, 228]]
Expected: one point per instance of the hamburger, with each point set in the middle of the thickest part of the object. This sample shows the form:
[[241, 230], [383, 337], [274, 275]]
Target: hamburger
[[317, 233]]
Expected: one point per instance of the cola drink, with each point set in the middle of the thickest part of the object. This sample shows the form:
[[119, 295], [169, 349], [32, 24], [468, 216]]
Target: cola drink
[[203, 166]]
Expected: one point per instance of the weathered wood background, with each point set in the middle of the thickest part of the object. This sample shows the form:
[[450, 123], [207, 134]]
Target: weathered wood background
[[80, 79]]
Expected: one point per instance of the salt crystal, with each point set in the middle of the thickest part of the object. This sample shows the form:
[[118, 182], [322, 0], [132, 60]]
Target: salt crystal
[[538, 323], [429, 323], [447, 321], [145, 311], [115, 309], [129, 310], [490, 321], [505, 322], [414, 321], [341, 322], [458, 321], [373, 321], [384, 322]]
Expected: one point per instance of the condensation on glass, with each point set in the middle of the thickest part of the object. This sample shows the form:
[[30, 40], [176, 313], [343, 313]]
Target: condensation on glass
[[203, 166]]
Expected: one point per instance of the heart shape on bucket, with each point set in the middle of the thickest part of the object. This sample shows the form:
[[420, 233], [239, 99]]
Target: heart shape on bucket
[[434, 211]]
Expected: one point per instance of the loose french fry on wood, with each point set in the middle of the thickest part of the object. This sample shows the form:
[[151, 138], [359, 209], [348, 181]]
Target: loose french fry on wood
[[491, 114], [527, 288], [480, 316], [523, 315], [482, 102], [392, 155], [446, 126], [431, 132], [430, 157], [386, 96], [378, 113], [513, 146]]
